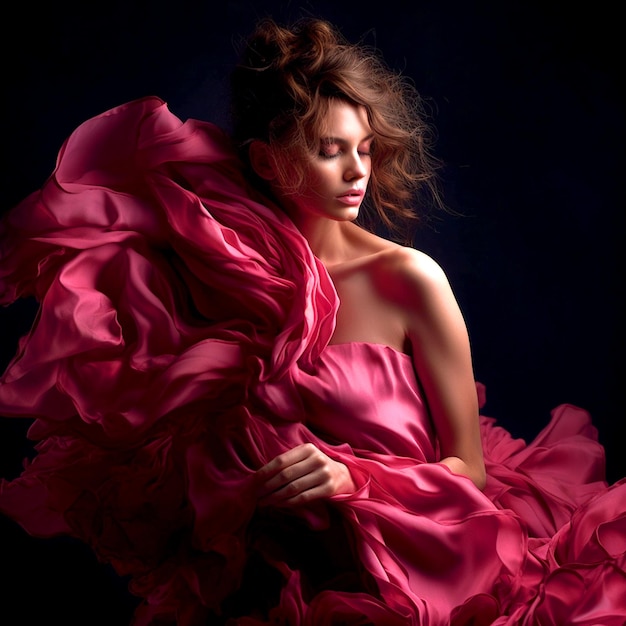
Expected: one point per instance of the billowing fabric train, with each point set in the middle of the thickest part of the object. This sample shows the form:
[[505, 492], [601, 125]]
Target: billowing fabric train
[[182, 341]]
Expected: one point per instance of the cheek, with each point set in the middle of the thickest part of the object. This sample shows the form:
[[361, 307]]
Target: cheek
[[314, 183]]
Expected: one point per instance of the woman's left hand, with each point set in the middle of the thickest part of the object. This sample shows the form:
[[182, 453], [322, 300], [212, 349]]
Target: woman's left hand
[[302, 475]]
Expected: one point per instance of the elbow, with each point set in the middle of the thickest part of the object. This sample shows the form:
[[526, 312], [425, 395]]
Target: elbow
[[474, 470], [477, 472], [479, 477]]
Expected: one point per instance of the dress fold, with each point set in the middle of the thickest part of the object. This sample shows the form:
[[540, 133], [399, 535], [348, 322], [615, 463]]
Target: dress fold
[[183, 340]]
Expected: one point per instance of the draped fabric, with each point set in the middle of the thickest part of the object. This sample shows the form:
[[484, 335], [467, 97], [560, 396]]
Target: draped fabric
[[183, 340]]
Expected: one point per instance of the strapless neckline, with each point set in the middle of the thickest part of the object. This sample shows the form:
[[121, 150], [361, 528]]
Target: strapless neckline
[[368, 345]]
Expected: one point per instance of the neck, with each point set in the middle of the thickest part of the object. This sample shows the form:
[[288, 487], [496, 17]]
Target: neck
[[328, 239]]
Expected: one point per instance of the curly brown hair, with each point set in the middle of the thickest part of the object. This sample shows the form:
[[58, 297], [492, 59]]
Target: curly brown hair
[[281, 89]]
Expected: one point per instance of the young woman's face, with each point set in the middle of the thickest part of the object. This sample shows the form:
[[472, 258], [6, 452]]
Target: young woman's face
[[337, 175]]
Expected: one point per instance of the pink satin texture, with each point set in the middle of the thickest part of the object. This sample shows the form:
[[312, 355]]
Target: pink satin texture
[[182, 342]]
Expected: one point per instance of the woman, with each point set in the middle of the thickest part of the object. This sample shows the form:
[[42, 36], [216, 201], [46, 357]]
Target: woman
[[273, 417]]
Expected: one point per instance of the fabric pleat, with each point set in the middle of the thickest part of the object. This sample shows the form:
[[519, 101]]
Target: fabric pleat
[[183, 340]]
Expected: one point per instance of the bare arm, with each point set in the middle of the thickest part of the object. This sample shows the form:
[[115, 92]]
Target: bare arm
[[422, 298], [442, 358]]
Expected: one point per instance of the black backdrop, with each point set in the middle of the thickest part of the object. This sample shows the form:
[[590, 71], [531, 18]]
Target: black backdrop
[[527, 101]]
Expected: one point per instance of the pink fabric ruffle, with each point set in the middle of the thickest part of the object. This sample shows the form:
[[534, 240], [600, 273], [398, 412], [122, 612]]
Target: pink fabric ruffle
[[182, 342]]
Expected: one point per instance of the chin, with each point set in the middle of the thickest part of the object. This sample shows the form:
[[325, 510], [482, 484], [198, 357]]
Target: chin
[[346, 214]]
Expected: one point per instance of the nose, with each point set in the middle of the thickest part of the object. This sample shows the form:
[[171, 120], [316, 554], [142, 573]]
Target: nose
[[356, 168]]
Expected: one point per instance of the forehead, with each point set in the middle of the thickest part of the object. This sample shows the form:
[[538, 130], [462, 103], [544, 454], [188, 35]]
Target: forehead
[[345, 120]]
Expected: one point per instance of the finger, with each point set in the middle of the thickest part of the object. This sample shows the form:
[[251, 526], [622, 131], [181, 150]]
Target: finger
[[284, 461], [286, 476], [309, 487]]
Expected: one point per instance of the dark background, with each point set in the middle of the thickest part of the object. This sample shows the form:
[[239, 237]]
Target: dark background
[[527, 100]]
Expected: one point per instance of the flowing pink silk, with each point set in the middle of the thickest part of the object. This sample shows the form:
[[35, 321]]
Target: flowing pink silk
[[182, 341]]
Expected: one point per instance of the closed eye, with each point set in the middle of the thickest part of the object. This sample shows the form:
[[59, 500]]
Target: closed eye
[[332, 147], [334, 155]]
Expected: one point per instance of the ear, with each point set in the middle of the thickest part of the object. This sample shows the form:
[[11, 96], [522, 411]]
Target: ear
[[261, 160]]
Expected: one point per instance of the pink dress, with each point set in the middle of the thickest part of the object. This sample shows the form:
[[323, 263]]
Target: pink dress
[[182, 341]]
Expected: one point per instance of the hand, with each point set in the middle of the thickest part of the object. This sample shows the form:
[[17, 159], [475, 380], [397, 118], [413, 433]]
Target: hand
[[301, 475]]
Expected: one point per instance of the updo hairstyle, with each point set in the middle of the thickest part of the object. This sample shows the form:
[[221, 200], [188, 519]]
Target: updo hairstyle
[[281, 90]]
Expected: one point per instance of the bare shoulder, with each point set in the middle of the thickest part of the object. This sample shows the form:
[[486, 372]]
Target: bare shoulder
[[410, 263], [389, 293], [401, 275], [408, 274], [394, 260]]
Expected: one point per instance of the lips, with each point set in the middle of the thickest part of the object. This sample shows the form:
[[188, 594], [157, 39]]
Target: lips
[[353, 192], [352, 197]]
